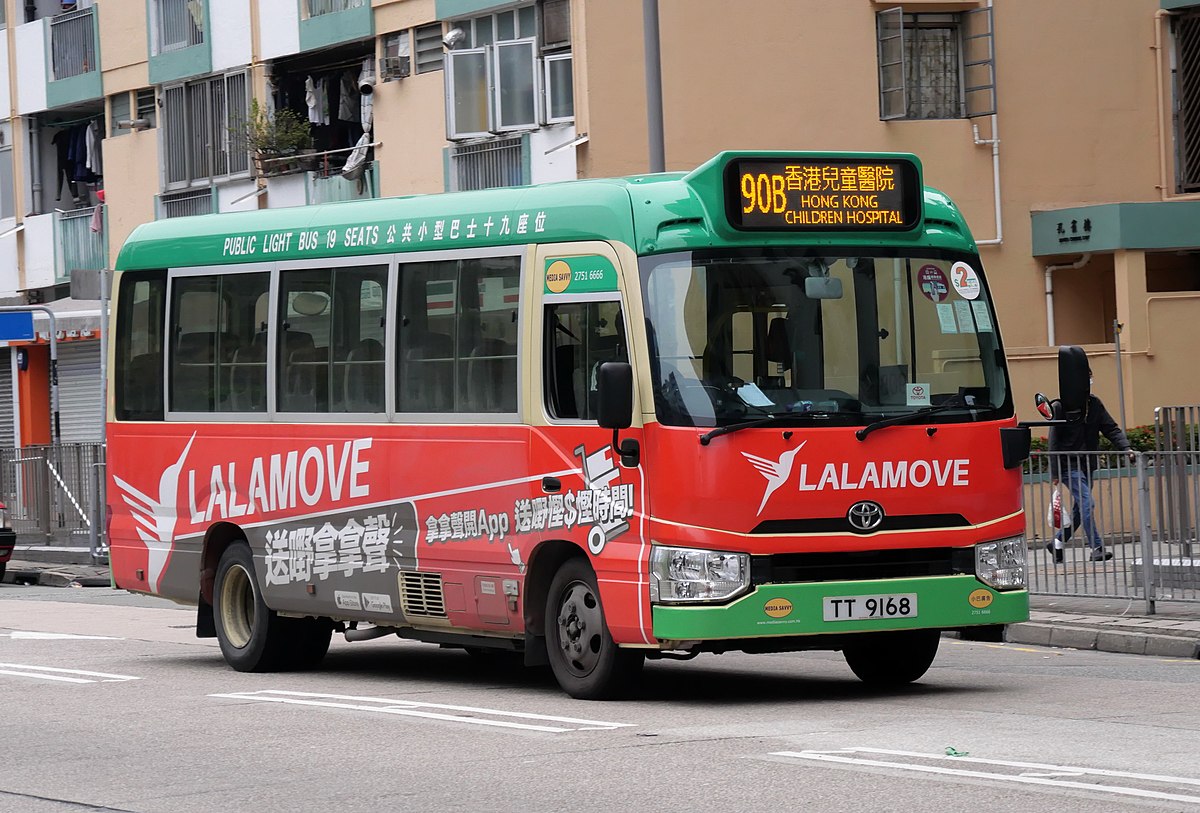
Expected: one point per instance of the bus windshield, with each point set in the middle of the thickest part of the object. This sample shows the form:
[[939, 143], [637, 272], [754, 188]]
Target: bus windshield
[[841, 338]]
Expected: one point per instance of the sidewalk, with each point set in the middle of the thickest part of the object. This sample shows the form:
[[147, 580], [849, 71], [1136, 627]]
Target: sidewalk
[[1104, 624]]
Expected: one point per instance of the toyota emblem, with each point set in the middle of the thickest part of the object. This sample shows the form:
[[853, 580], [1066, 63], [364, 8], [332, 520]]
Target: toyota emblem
[[865, 516]]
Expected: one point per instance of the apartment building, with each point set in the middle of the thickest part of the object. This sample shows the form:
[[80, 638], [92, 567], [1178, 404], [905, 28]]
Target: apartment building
[[1069, 133]]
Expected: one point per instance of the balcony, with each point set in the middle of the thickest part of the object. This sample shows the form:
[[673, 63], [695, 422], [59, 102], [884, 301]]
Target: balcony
[[329, 22], [326, 186], [74, 67], [80, 238]]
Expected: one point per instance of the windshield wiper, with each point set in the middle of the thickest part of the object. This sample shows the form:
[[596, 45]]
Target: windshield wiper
[[913, 417], [785, 418], [734, 427]]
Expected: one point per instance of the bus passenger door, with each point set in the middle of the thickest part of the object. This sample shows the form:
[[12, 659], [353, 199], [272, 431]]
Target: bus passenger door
[[587, 497]]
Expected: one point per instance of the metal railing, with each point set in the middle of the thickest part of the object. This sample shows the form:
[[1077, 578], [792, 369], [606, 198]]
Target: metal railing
[[1144, 553], [318, 7], [55, 492], [73, 43], [79, 246], [328, 186], [488, 164]]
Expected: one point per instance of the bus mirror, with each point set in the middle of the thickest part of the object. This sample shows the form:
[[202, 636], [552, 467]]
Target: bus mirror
[[1044, 406], [822, 288], [614, 384], [1073, 381]]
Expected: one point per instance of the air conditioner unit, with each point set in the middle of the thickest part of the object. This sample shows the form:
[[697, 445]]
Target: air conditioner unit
[[393, 67]]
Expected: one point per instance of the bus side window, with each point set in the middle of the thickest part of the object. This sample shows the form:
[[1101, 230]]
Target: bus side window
[[579, 337], [139, 373]]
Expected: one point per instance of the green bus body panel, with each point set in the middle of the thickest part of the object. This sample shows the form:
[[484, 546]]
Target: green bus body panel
[[650, 213], [943, 602]]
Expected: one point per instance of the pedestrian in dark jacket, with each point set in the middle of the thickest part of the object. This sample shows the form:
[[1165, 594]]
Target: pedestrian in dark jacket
[[1076, 471]]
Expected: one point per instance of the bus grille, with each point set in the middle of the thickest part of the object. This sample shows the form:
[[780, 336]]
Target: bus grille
[[421, 594], [783, 568]]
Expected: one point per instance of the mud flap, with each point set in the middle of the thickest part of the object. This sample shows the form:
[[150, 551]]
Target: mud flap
[[206, 625]]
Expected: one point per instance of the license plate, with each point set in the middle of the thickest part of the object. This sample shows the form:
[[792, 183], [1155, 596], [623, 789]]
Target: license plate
[[859, 608]]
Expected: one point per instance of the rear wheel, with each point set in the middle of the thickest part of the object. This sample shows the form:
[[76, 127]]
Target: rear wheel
[[585, 660], [252, 637], [892, 658], [3, 567]]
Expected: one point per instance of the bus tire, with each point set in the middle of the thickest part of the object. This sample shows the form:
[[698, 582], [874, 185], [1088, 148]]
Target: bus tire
[[892, 658], [583, 656], [309, 642], [252, 637]]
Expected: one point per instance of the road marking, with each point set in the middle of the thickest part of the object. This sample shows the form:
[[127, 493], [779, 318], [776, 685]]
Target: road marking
[[53, 673], [433, 711], [1027, 778], [55, 636]]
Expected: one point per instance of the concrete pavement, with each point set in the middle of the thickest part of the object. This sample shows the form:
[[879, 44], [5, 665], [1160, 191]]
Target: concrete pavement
[[1104, 624]]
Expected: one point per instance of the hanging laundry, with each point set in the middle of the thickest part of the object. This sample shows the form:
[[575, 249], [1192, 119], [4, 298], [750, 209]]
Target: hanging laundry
[[316, 97], [97, 224], [93, 142], [348, 98], [63, 170]]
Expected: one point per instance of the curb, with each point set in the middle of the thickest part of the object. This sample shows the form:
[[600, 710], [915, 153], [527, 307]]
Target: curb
[[1078, 637], [54, 578]]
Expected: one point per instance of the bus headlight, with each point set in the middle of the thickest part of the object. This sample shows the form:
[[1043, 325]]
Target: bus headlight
[[1001, 564], [679, 575]]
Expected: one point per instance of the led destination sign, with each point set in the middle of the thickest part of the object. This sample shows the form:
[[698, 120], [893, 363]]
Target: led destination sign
[[825, 194]]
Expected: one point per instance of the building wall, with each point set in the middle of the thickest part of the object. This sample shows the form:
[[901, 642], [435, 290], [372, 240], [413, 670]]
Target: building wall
[[133, 188]]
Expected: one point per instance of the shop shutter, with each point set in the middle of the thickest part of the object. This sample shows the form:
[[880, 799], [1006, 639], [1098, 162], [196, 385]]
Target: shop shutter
[[6, 399], [79, 392]]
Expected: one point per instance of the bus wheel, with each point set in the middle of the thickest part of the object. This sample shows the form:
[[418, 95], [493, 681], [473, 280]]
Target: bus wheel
[[252, 637], [585, 660], [893, 658], [309, 641]]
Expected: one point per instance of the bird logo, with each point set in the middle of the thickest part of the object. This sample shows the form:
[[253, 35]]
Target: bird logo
[[776, 471], [157, 516]]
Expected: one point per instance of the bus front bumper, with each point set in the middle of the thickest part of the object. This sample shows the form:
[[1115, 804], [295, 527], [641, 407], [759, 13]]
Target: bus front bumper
[[822, 608]]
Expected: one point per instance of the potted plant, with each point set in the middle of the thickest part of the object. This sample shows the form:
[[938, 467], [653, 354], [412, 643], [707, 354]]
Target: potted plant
[[276, 135]]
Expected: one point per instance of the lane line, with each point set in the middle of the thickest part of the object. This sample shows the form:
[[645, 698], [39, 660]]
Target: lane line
[[55, 636], [44, 677], [998, 777], [434, 711], [1039, 766], [104, 677]]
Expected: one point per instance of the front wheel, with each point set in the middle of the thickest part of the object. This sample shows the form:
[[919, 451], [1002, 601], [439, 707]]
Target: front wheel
[[892, 658], [586, 662]]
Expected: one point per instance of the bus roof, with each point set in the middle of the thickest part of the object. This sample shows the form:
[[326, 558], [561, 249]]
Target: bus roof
[[650, 213]]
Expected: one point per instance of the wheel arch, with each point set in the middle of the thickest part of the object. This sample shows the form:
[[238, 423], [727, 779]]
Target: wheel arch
[[544, 562], [216, 540]]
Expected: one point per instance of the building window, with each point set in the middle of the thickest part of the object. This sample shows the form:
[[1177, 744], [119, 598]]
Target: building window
[[488, 164], [178, 24], [7, 190], [500, 79], [1186, 29], [396, 62], [147, 109], [935, 66], [186, 203], [316, 8], [118, 111], [205, 124]]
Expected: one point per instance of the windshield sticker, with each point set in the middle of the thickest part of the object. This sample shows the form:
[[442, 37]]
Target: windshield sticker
[[588, 274], [983, 319], [965, 280], [918, 395], [962, 309], [933, 284], [946, 317], [752, 395]]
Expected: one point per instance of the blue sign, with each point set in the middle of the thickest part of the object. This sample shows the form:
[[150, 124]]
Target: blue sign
[[16, 325]]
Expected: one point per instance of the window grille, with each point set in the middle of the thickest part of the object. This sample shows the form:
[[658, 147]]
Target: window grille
[[488, 164], [73, 43], [556, 23], [206, 129], [180, 24], [186, 203], [79, 248], [1187, 101], [146, 107], [118, 106]]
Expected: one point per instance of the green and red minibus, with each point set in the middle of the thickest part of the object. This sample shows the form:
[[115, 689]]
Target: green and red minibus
[[760, 406]]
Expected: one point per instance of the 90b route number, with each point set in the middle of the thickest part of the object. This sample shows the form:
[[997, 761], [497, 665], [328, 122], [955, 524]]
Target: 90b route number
[[857, 608]]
